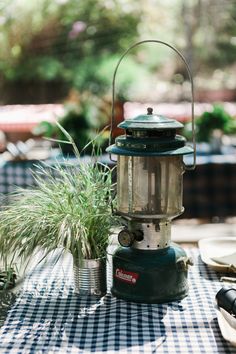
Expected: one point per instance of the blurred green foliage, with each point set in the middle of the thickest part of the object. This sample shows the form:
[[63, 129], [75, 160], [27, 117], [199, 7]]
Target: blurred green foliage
[[77, 43], [67, 41], [223, 52]]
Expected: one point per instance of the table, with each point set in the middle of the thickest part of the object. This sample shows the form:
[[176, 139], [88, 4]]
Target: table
[[48, 317], [209, 190], [20, 173]]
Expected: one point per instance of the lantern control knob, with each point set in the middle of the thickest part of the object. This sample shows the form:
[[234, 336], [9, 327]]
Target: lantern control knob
[[149, 110], [126, 238]]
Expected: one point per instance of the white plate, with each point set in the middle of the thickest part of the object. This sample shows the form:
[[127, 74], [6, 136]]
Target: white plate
[[217, 247], [33, 155], [227, 324]]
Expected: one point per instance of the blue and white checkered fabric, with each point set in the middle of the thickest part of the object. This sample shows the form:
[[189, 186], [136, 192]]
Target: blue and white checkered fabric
[[48, 317], [206, 193]]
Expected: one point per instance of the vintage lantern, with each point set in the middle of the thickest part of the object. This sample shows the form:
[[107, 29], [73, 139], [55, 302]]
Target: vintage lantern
[[148, 267]]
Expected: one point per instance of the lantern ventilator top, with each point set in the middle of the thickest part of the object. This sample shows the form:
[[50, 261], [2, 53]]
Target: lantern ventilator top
[[150, 135]]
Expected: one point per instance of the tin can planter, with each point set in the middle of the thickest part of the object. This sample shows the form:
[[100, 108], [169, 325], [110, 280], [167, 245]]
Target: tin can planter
[[90, 277]]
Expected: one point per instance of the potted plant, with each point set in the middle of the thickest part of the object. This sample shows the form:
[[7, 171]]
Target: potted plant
[[218, 119], [211, 126], [68, 209]]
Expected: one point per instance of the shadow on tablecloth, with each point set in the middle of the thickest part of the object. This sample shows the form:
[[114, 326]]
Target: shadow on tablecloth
[[48, 323]]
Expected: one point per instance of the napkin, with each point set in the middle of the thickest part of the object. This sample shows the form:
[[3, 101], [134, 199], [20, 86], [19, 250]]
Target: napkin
[[227, 324]]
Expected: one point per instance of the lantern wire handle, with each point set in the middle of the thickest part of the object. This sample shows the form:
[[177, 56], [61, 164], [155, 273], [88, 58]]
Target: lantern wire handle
[[191, 167]]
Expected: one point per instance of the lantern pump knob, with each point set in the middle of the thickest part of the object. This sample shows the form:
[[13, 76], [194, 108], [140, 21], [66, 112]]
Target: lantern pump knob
[[149, 110]]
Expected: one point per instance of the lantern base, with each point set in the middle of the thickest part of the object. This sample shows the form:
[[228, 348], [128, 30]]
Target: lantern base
[[153, 276]]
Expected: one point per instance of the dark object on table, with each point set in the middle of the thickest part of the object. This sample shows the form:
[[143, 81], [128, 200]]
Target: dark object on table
[[7, 279], [226, 298]]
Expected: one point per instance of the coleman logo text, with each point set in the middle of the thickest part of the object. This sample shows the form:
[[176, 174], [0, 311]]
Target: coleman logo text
[[127, 277]]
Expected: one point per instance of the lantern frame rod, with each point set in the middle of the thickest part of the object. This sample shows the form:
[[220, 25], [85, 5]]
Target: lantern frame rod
[[190, 167]]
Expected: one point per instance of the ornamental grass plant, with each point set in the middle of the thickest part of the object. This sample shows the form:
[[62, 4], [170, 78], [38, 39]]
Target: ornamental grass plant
[[70, 209]]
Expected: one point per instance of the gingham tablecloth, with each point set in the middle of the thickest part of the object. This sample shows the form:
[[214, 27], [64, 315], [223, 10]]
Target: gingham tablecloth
[[48, 317], [209, 190], [19, 173]]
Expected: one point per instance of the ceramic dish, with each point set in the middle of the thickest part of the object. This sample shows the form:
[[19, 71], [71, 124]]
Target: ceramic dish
[[212, 248], [227, 324], [33, 155]]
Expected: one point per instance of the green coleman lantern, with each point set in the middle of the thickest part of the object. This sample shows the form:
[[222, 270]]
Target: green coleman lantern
[[148, 267]]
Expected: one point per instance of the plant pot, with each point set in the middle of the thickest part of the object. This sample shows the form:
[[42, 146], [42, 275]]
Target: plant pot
[[90, 277], [216, 141]]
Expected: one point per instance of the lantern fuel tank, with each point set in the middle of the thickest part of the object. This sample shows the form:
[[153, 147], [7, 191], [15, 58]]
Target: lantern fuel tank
[[148, 267]]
